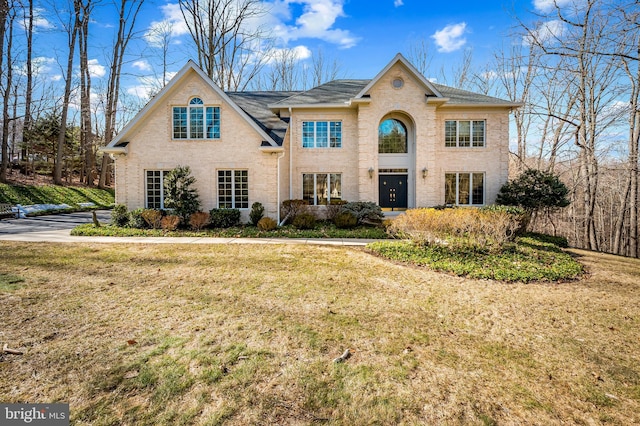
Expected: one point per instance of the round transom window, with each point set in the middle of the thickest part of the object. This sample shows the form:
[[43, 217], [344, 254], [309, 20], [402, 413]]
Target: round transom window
[[397, 82]]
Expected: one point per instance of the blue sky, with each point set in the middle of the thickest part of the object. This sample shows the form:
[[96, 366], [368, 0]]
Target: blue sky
[[361, 35]]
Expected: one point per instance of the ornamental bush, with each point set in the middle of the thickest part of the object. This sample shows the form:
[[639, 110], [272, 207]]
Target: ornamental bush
[[170, 222], [364, 211], [267, 224], [292, 208], [152, 218], [534, 190], [468, 228], [136, 220], [345, 220], [119, 215], [224, 218], [304, 221], [257, 211], [199, 220], [179, 195]]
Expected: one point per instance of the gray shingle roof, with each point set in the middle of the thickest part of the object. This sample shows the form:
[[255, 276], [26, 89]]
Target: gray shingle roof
[[255, 105], [459, 96], [333, 92]]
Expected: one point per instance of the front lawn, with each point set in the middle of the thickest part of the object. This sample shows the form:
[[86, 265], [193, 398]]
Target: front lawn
[[146, 334]]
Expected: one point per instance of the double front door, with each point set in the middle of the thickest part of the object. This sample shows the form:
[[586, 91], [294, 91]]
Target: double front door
[[393, 191]]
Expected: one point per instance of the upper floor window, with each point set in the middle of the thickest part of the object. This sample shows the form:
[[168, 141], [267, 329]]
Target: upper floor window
[[464, 133], [321, 134], [196, 121], [392, 137]]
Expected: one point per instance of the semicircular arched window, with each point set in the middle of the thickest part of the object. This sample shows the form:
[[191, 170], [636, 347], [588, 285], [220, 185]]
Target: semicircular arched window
[[392, 137]]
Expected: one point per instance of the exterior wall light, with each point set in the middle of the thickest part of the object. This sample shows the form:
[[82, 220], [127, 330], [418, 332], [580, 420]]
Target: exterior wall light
[[424, 172], [371, 172]]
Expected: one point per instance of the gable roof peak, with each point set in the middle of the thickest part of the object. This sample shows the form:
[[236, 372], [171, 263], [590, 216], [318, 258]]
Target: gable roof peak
[[399, 58]]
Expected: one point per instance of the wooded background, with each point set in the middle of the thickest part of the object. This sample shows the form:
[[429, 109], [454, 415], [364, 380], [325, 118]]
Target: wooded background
[[575, 69]]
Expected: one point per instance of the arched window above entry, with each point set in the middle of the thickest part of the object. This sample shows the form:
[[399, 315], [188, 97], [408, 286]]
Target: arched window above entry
[[392, 137], [196, 101]]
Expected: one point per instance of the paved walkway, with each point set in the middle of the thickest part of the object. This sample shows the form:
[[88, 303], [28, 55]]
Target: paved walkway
[[57, 228]]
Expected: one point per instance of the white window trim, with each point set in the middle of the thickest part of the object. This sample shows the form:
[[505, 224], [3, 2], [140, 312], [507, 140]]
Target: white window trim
[[204, 107], [315, 134], [484, 188], [471, 121], [315, 187], [146, 188], [233, 188]]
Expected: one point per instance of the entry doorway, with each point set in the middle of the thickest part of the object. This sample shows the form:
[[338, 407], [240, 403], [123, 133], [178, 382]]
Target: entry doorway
[[393, 192]]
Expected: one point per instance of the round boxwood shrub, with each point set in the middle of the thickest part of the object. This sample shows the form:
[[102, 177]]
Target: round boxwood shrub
[[345, 220], [304, 221], [267, 224], [120, 215]]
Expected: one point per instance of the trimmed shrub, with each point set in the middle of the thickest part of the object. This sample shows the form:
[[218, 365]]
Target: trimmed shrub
[[152, 218], [267, 224], [292, 208], [199, 220], [119, 215], [468, 228], [304, 221], [364, 211], [136, 220], [345, 220], [179, 195], [334, 207], [224, 218], [170, 222], [257, 211]]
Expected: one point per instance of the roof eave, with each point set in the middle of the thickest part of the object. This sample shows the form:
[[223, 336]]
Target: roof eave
[[310, 106], [482, 105]]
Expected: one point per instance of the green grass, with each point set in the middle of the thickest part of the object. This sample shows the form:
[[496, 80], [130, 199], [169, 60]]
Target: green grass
[[322, 230], [531, 258], [53, 194], [10, 282]]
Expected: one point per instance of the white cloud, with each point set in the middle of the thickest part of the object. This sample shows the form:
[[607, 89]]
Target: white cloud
[[546, 6], [316, 21], [172, 25], [148, 86], [39, 21], [450, 38], [398, 3], [546, 31], [142, 65], [298, 53], [95, 69], [57, 77]]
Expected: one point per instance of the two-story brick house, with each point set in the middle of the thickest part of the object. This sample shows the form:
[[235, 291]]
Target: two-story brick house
[[397, 139]]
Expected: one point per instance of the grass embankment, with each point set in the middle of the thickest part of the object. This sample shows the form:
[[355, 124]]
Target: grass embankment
[[245, 334], [53, 194]]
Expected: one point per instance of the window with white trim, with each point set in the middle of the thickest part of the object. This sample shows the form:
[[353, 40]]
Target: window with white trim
[[321, 134], [196, 121], [319, 189], [154, 189], [464, 189], [464, 133], [233, 189]]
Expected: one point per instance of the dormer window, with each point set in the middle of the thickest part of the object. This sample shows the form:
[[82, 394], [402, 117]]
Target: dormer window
[[196, 121]]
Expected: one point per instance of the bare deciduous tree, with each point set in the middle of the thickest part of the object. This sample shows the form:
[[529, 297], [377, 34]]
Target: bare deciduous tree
[[230, 41]]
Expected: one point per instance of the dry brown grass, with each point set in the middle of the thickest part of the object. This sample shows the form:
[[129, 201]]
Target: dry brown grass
[[148, 334]]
